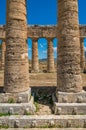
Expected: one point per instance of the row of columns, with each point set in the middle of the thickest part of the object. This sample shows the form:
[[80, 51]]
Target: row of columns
[[16, 74], [35, 59], [50, 55]]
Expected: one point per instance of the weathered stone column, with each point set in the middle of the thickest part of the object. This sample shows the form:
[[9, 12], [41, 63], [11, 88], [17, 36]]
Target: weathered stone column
[[82, 58], [68, 65], [16, 65], [3, 50], [35, 61], [50, 56]]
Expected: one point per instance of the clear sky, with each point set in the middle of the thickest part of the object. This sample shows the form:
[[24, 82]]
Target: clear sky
[[43, 12]]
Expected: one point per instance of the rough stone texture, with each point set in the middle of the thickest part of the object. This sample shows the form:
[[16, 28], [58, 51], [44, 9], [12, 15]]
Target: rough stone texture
[[37, 31], [71, 97], [16, 65], [3, 50], [34, 121], [35, 61], [18, 108], [82, 58], [70, 108], [23, 97], [2, 32], [82, 30], [46, 129], [68, 65], [50, 56]]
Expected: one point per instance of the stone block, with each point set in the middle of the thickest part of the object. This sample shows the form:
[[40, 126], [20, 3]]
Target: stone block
[[64, 97], [31, 121], [18, 108], [23, 97]]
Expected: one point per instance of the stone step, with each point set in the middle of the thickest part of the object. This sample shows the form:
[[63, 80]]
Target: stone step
[[17, 108], [45, 129], [44, 121], [69, 108]]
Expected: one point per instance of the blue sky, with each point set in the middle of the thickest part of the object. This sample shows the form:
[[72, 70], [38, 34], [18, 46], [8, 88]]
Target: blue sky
[[43, 12]]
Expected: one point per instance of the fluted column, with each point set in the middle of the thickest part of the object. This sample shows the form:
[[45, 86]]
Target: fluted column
[[82, 58], [68, 65], [16, 65], [50, 56], [35, 60], [3, 50]]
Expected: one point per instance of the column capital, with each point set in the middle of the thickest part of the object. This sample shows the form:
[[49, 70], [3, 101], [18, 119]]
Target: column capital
[[81, 39], [50, 38], [35, 39]]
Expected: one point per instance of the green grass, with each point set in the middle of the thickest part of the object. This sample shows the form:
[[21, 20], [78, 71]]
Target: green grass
[[11, 100], [4, 114], [4, 126]]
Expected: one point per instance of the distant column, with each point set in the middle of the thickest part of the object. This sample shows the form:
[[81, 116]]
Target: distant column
[[82, 58], [35, 60], [3, 50], [50, 56]]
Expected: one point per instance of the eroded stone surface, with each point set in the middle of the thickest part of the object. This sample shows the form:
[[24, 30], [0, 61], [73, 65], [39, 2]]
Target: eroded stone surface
[[62, 121], [3, 50], [50, 56], [16, 65], [82, 57], [68, 64], [35, 61], [37, 31]]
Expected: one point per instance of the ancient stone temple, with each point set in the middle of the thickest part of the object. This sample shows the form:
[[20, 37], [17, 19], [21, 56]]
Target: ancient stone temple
[[17, 107]]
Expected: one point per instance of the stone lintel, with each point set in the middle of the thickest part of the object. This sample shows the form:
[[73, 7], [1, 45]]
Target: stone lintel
[[64, 97]]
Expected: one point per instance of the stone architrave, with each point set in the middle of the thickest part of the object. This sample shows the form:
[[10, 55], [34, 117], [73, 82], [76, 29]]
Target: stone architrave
[[16, 63], [35, 60], [68, 65], [50, 56], [82, 58]]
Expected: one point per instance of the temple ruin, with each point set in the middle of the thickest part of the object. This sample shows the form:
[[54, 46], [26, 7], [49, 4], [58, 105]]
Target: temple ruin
[[69, 99], [48, 32]]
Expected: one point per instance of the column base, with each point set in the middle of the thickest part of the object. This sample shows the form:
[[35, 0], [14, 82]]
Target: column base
[[17, 103], [64, 97], [22, 97], [35, 71], [51, 71], [69, 103]]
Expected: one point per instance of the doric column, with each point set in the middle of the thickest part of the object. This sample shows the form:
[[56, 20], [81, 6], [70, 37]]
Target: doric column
[[16, 65], [3, 50], [50, 56], [68, 65], [35, 61], [82, 58]]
